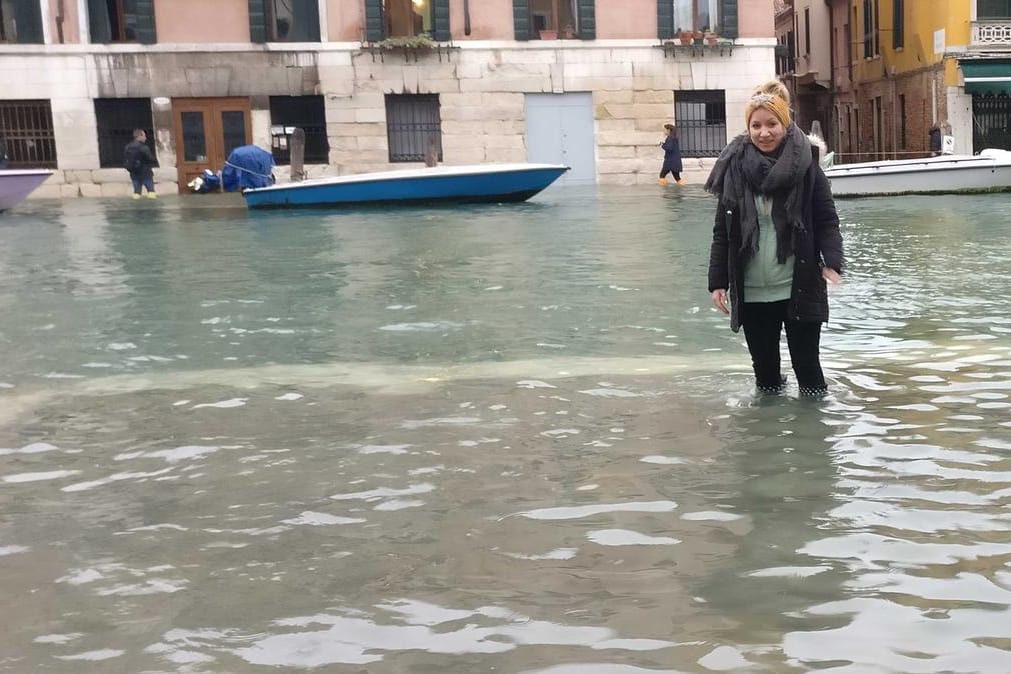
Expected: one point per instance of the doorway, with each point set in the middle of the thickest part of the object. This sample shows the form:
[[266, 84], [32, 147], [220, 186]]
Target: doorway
[[560, 130], [206, 132]]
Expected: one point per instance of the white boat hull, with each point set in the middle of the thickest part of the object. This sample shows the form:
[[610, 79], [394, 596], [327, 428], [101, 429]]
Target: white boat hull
[[989, 171]]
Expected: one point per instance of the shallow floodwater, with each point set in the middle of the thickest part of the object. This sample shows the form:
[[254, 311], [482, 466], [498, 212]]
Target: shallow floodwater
[[499, 438]]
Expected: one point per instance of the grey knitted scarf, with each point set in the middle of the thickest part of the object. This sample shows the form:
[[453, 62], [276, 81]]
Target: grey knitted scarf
[[742, 171]]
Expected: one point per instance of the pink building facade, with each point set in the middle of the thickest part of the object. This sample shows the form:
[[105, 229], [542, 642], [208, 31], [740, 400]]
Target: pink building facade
[[373, 82]]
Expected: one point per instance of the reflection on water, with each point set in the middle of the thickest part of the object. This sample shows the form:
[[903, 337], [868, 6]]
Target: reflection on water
[[493, 438]]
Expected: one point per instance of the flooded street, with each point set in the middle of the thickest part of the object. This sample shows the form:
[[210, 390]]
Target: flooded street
[[499, 438]]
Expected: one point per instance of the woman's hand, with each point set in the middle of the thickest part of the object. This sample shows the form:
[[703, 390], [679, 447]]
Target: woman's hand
[[831, 275], [720, 299]]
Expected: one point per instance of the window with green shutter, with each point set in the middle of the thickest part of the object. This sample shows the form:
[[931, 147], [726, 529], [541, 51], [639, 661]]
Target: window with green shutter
[[20, 22], [407, 18], [553, 19], [718, 16], [122, 21]]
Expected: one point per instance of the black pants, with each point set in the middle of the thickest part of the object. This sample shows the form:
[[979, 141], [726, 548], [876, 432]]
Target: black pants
[[763, 323], [664, 171]]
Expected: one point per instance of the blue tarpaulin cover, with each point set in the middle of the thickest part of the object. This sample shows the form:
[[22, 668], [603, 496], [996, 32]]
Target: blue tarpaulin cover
[[247, 166]]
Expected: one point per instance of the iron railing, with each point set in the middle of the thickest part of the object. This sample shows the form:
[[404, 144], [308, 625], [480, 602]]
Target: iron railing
[[701, 120], [991, 121], [412, 122]]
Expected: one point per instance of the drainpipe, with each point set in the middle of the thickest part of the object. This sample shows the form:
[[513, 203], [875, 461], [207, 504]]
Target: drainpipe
[[466, 17], [59, 20], [831, 75]]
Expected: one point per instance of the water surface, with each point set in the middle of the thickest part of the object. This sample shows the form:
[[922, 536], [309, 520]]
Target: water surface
[[497, 438]]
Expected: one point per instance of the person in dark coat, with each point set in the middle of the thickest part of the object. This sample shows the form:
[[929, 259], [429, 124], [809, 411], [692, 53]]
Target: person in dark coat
[[139, 162], [776, 241], [671, 156]]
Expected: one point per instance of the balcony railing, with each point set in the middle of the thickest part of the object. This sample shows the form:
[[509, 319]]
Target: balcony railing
[[992, 33]]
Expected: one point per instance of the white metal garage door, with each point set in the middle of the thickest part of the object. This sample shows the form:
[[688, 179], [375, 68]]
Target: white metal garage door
[[559, 130]]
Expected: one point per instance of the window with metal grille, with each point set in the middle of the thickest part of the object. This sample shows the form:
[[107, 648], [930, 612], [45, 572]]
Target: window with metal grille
[[117, 119], [993, 9], [304, 112], [701, 118], [20, 21], [26, 129], [990, 115], [412, 123]]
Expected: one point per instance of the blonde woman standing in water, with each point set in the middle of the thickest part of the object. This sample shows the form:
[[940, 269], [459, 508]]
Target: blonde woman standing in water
[[776, 241]]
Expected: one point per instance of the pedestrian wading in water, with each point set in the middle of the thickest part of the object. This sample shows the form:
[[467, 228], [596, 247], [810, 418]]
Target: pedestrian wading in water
[[139, 162], [776, 241], [671, 156]]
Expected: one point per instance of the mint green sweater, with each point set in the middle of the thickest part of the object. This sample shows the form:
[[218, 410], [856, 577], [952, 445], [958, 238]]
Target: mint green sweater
[[765, 280]]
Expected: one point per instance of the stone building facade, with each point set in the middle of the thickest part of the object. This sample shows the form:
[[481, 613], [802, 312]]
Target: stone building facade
[[205, 77]]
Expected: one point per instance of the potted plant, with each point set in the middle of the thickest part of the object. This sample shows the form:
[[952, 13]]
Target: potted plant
[[568, 31], [548, 34], [685, 36]]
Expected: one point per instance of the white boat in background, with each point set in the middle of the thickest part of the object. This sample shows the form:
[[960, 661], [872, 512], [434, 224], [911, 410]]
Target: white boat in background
[[989, 171]]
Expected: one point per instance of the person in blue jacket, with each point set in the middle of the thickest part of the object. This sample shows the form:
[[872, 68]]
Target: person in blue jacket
[[776, 241], [671, 156]]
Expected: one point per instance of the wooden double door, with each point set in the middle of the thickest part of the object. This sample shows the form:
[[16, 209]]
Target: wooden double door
[[206, 132]]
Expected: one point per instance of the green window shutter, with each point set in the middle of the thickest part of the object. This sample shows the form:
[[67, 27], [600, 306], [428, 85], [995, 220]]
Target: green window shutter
[[440, 21], [143, 16], [374, 30], [664, 19], [587, 19], [98, 22], [728, 19], [258, 21], [27, 17], [521, 19]]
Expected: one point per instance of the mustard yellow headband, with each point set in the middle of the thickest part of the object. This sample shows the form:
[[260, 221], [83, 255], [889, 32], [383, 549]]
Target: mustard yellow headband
[[777, 105]]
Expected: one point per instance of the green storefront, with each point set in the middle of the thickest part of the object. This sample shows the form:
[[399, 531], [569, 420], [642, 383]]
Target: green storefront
[[988, 81]]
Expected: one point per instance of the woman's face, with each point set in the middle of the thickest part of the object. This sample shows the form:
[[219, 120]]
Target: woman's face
[[766, 131]]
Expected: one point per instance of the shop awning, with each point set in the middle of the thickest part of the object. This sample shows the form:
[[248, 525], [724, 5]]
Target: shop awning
[[987, 76]]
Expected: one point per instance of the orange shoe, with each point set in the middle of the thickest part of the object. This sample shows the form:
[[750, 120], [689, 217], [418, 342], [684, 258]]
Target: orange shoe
[[681, 182], [661, 181]]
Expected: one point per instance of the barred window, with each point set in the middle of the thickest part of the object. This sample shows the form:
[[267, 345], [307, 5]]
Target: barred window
[[701, 119], [117, 118], [412, 122], [307, 113], [26, 129]]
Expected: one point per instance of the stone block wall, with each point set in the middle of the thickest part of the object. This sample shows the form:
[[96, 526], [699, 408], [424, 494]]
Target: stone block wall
[[481, 87]]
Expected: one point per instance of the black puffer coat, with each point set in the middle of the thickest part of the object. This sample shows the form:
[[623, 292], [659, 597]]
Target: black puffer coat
[[820, 245]]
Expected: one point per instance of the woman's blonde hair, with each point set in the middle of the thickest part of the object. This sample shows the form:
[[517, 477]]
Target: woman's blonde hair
[[774, 97]]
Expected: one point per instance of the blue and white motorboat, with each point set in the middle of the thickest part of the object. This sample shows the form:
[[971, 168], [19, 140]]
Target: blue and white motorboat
[[453, 184]]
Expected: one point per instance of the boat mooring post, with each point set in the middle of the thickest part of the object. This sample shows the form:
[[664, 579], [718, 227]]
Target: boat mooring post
[[297, 147]]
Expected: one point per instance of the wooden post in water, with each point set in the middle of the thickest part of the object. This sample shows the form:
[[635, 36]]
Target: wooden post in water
[[431, 152], [297, 149]]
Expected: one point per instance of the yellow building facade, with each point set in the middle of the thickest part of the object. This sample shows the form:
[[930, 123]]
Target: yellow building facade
[[904, 71]]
